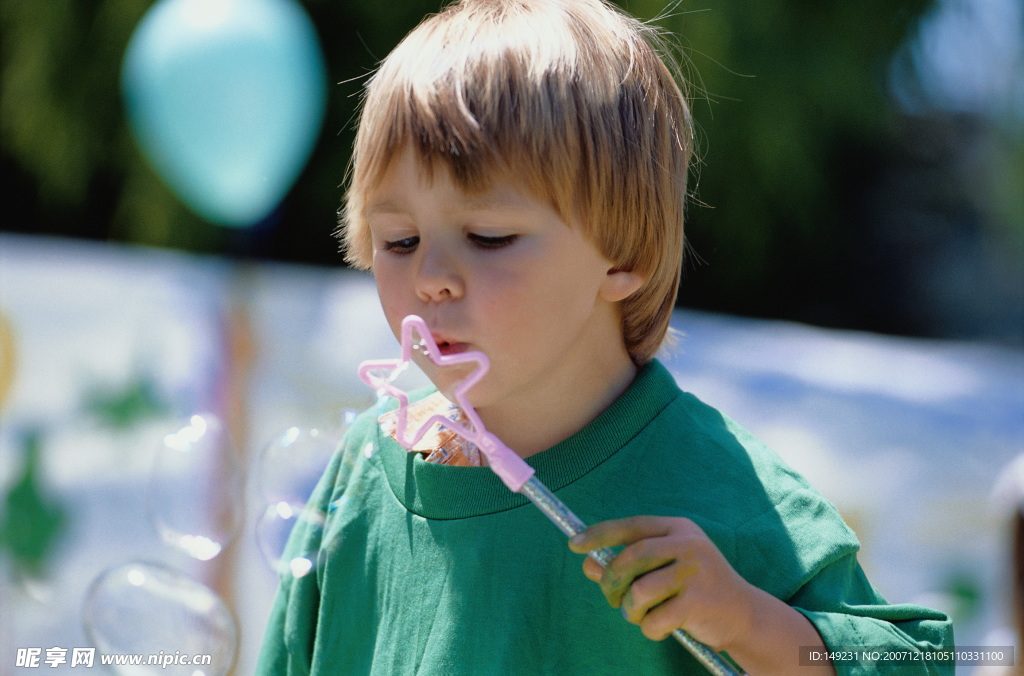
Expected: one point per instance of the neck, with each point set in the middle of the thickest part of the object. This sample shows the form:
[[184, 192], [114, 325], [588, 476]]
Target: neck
[[537, 421]]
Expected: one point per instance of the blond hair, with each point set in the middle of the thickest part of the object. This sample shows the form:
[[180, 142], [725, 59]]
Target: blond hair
[[572, 99]]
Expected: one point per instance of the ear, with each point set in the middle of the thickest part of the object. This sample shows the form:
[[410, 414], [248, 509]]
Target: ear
[[620, 284]]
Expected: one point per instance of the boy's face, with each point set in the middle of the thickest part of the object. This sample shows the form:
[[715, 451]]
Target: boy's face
[[498, 272]]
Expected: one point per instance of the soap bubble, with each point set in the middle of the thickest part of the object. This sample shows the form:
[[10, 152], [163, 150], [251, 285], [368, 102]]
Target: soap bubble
[[287, 471], [149, 609], [292, 463], [273, 529], [195, 492]]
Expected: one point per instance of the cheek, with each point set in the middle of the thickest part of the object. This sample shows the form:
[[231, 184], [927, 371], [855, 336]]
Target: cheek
[[505, 294], [534, 294], [392, 294]]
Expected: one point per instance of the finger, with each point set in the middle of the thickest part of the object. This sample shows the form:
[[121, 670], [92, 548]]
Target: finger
[[619, 532], [634, 561], [652, 590], [660, 621], [592, 569]]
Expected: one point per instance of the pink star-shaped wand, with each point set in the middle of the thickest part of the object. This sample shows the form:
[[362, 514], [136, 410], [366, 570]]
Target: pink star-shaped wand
[[512, 469]]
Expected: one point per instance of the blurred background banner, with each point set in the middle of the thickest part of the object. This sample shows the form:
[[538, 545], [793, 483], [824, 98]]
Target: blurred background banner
[[169, 387]]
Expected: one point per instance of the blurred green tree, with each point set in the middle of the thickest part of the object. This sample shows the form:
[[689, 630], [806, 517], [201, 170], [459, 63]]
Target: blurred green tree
[[789, 97], [793, 116]]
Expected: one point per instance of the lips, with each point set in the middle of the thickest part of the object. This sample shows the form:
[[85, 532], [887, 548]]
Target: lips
[[446, 348], [446, 343]]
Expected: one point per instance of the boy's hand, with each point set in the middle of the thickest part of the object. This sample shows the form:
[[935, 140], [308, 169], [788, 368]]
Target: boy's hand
[[670, 575]]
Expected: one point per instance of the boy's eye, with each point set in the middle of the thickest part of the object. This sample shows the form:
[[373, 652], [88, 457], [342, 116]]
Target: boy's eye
[[405, 245], [486, 242]]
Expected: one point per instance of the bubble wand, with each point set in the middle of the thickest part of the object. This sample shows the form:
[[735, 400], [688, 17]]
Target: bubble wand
[[512, 469]]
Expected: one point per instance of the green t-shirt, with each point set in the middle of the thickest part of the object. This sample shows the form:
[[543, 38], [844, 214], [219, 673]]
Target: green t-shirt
[[420, 568]]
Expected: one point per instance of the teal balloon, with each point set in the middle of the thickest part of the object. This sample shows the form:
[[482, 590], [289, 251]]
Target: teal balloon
[[226, 99]]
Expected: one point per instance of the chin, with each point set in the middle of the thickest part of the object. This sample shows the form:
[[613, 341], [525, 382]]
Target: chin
[[447, 380]]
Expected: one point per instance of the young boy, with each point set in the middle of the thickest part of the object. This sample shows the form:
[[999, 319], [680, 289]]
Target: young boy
[[518, 180]]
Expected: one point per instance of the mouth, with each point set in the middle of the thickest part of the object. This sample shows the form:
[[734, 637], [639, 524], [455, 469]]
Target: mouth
[[449, 348]]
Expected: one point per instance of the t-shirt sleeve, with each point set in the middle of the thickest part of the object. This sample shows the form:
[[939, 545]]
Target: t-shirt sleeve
[[800, 551], [849, 613], [287, 648]]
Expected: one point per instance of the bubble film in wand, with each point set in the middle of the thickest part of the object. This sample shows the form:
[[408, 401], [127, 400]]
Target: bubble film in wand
[[510, 468]]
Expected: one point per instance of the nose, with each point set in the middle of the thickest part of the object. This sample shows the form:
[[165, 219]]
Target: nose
[[438, 277]]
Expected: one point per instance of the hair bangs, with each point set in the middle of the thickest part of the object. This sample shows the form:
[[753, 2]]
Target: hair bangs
[[481, 113]]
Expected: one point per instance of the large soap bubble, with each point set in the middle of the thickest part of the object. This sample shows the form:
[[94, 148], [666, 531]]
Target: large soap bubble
[[273, 529], [196, 492], [175, 624], [286, 472], [226, 99], [293, 461]]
